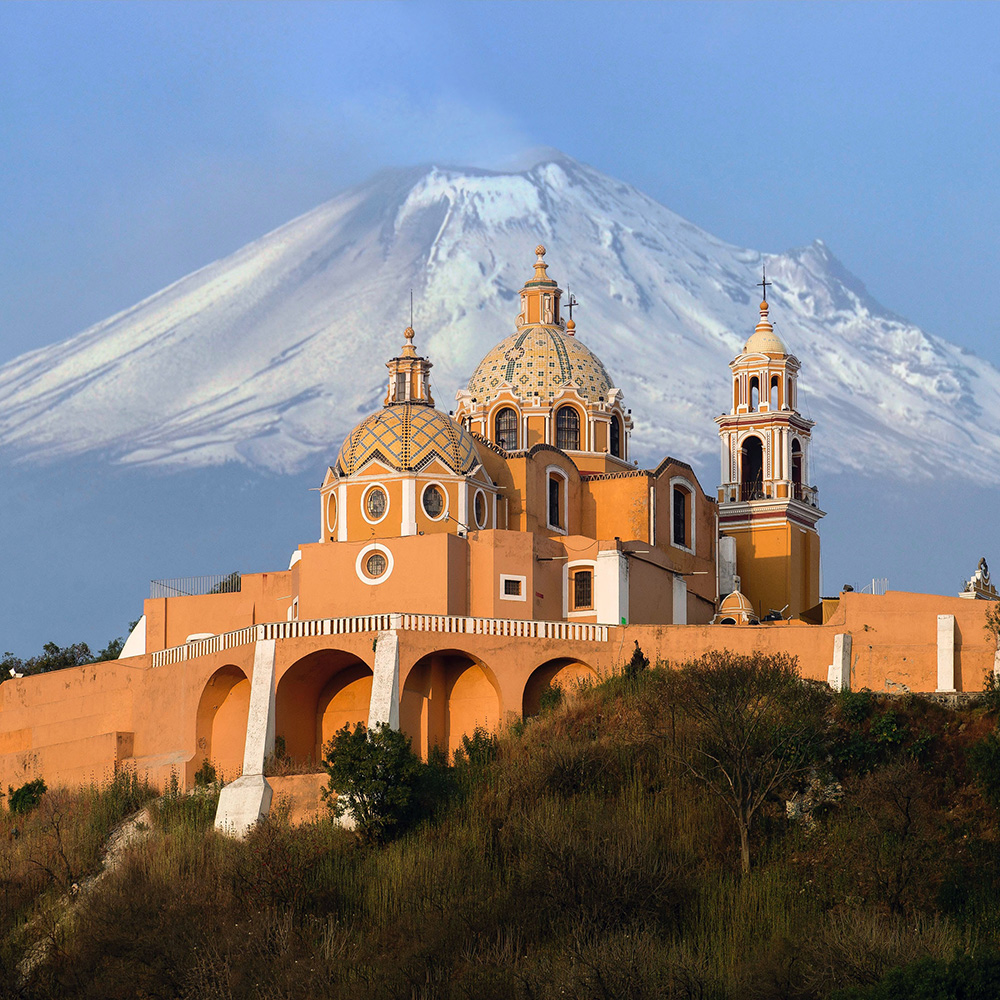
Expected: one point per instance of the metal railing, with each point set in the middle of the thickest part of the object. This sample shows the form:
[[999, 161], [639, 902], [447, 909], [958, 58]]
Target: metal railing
[[194, 586], [456, 624]]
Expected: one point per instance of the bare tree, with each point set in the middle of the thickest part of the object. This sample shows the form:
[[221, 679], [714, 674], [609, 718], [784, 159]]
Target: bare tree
[[756, 730]]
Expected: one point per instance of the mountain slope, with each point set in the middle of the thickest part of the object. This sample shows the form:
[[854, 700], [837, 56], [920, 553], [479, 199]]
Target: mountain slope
[[271, 355]]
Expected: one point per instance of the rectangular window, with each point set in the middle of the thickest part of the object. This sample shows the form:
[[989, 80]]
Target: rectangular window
[[554, 502], [583, 589], [513, 588], [400, 387]]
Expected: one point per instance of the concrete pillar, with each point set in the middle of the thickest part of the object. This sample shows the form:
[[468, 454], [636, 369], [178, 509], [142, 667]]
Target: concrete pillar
[[680, 616], [611, 587], [838, 674], [247, 799], [384, 706], [946, 652], [727, 565]]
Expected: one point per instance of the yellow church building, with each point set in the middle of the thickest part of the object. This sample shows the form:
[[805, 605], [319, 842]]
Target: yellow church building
[[466, 563]]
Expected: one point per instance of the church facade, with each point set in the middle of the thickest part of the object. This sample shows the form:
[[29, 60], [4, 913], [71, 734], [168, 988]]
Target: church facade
[[468, 562]]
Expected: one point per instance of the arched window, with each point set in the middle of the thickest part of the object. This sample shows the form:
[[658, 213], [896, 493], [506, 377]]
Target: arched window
[[754, 394], [796, 470], [752, 469], [616, 437], [790, 395], [680, 518], [506, 429], [774, 392], [567, 429]]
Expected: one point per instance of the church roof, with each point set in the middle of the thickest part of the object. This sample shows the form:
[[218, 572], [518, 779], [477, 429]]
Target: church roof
[[406, 437], [543, 360]]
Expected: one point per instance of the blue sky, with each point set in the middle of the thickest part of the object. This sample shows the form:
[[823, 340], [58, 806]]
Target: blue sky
[[141, 141]]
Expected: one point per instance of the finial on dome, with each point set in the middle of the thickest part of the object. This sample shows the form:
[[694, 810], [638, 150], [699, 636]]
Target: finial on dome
[[540, 265], [570, 328], [408, 333], [408, 348]]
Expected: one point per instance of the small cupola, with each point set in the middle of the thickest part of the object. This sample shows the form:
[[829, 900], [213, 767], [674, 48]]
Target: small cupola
[[540, 296], [409, 375]]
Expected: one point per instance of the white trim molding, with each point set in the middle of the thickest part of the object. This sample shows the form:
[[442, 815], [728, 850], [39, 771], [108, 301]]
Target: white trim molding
[[364, 502], [363, 557], [590, 564], [522, 580]]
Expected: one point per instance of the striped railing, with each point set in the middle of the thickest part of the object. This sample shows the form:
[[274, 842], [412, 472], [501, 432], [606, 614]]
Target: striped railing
[[514, 627]]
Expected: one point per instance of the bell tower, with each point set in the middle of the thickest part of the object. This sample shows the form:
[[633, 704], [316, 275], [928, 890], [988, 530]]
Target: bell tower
[[766, 504]]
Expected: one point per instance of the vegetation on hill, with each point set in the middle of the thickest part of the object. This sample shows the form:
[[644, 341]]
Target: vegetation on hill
[[56, 657], [593, 852]]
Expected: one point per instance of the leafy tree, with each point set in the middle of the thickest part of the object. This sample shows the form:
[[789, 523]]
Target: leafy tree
[[55, 657], [984, 760], [757, 730], [376, 776]]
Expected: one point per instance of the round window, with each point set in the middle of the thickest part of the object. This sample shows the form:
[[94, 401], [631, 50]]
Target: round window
[[479, 507], [375, 502], [375, 564], [433, 501]]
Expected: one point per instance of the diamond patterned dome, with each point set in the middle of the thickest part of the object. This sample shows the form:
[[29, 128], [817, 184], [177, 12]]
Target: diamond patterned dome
[[406, 436], [540, 359]]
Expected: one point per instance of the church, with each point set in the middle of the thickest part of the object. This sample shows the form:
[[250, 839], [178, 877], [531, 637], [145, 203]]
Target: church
[[468, 561]]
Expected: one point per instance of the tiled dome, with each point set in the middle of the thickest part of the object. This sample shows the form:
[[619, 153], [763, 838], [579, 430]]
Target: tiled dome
[[764, 340], [540, 359], [406, 436]]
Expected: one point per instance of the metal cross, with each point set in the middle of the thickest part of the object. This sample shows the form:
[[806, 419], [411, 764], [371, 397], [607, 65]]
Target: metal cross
[[764, 282], [571, 302]]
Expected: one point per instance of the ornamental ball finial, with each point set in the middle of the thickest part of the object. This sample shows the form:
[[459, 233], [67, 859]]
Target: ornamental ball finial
[[540, 250], [408, 333]]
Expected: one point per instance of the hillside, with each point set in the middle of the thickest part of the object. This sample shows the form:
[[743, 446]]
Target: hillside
[[269, 356], [574, 856]]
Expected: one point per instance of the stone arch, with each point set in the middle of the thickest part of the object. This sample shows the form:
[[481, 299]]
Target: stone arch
[[221, 725], [446, 695], [317, 695], [564, 671]]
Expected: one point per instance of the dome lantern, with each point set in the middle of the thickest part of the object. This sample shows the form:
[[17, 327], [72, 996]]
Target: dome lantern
[[540, 296], [409, 376]]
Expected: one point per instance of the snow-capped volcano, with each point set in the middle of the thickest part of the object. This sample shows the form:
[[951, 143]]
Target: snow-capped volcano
[[272, 354]]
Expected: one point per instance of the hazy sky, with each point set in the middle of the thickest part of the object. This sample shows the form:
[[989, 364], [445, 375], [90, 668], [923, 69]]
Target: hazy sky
[[141, 141]]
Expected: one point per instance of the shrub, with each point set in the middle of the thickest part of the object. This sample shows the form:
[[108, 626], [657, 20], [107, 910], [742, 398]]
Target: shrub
[[983, 758], [965, 977], [206, 774], [638, 664], [22, 800], [376, 776]]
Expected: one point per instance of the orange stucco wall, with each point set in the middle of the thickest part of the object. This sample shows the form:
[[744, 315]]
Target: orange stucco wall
[[75, 726]]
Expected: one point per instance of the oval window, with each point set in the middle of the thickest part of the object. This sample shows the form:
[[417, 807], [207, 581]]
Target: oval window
[[433, 502], [375, 565], [376, 503], [331, 513], [479, 507]]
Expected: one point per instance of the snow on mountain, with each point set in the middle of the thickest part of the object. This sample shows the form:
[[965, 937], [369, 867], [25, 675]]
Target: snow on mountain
[[272, 354]]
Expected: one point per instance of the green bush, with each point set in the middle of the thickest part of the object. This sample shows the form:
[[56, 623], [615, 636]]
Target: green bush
[[206, 774], [966, 977], [377, 777], [22, 800], [983, 758]]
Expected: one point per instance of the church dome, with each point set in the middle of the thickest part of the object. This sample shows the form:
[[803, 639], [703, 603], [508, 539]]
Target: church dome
[[542, 360], [764, 340], [406, 437]]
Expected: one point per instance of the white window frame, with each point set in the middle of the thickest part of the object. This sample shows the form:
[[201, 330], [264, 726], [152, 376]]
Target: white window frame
[[590, 564], [523, 580], [689, 486], [359, 565], [486, 509], [557, 470], [364, 502], [447, 500], [331, 498]]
